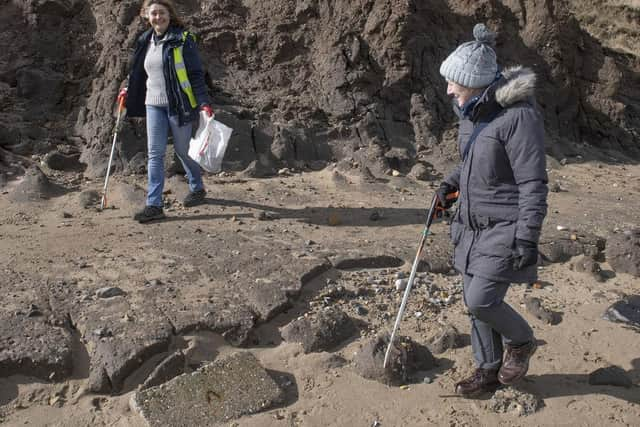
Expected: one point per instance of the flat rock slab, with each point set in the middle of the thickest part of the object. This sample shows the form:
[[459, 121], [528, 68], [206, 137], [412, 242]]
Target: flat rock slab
[[120, 332], [122, 348], [225, 389], [262, 285], [124, 331], [233, 320], [33, 347], [273, 288], [267, 298], [34, 340]]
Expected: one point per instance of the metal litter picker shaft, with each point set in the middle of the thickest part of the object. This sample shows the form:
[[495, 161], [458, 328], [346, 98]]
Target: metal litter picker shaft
[[414, 269], [103, 201]]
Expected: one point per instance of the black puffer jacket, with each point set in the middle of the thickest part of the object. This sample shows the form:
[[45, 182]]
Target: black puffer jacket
[[502, 181]]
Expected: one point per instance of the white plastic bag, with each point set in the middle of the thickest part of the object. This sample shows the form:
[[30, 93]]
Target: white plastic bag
[[208, 145]]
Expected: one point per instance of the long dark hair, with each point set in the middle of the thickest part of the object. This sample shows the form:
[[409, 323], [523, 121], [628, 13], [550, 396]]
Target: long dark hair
[[174, 19]]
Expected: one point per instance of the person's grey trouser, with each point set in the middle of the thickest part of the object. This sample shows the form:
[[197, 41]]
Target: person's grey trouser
[[492, 321]]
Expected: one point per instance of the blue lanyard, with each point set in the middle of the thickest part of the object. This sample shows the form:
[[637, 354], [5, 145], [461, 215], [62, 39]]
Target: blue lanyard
[[476, 131]]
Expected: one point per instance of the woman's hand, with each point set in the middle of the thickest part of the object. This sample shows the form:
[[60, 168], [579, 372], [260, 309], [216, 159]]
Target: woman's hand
[[207, 109], [122, 96], [526, 254]]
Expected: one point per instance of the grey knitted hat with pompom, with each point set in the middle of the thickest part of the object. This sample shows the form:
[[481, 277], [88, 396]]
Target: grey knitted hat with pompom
[[473, 64]]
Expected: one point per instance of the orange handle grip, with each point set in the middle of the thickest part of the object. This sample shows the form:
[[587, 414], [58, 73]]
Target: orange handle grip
[[121, 101], [453, 195]]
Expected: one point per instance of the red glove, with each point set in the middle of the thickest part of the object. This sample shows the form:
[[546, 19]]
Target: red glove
[[122, 96], [207, 109]]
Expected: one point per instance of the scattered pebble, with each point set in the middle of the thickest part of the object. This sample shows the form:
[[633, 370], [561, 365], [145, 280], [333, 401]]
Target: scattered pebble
[[109, 292], [361, 311], [401, 284]]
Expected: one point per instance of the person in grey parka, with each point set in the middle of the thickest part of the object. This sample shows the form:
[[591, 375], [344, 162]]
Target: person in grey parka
[[502, 185]]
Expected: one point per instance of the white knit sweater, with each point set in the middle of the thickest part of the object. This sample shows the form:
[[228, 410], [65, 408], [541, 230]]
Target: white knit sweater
[[156, 89]]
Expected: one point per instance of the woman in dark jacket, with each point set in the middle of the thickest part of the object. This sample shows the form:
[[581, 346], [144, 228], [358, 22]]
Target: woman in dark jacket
[[502, 183], [166, 85]]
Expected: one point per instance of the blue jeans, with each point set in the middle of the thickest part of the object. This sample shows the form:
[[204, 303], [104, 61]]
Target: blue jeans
[[158, 124]]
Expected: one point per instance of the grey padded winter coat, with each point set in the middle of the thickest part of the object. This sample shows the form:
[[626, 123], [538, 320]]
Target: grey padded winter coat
[[502, 181]]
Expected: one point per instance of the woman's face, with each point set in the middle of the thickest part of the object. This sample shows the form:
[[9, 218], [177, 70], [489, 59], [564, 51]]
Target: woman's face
[[159, 18], [460, 93]]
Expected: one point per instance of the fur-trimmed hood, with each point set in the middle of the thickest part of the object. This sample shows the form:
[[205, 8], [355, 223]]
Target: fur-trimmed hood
[[518, 85]]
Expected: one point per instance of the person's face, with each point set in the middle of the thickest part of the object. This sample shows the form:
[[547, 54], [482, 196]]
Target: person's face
[[460, 93], [158, 18]]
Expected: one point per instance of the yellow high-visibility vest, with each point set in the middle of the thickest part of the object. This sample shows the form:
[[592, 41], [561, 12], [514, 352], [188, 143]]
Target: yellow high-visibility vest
[[181, 72]]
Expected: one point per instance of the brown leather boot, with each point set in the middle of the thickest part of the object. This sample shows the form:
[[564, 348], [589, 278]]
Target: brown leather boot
[[482, 380], [516, 362]]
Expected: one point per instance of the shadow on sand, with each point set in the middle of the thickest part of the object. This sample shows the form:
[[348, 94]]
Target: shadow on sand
[[557, 385]]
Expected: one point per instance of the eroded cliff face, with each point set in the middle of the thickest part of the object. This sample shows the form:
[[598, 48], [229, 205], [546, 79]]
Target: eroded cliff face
[[307, 81]]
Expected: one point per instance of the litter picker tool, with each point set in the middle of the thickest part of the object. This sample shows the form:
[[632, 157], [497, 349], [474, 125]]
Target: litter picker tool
[[432, 213], [121, 109]]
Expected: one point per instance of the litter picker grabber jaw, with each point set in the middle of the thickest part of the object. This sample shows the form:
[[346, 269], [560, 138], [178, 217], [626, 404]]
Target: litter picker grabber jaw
[[414, 269], [121, 109]]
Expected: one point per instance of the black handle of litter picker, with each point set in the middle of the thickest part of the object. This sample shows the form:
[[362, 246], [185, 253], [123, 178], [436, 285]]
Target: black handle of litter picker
[[432, 212], [437, 207]]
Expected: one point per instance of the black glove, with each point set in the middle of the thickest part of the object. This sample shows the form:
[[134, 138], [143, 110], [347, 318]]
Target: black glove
[[526, 254], [446, 195]]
